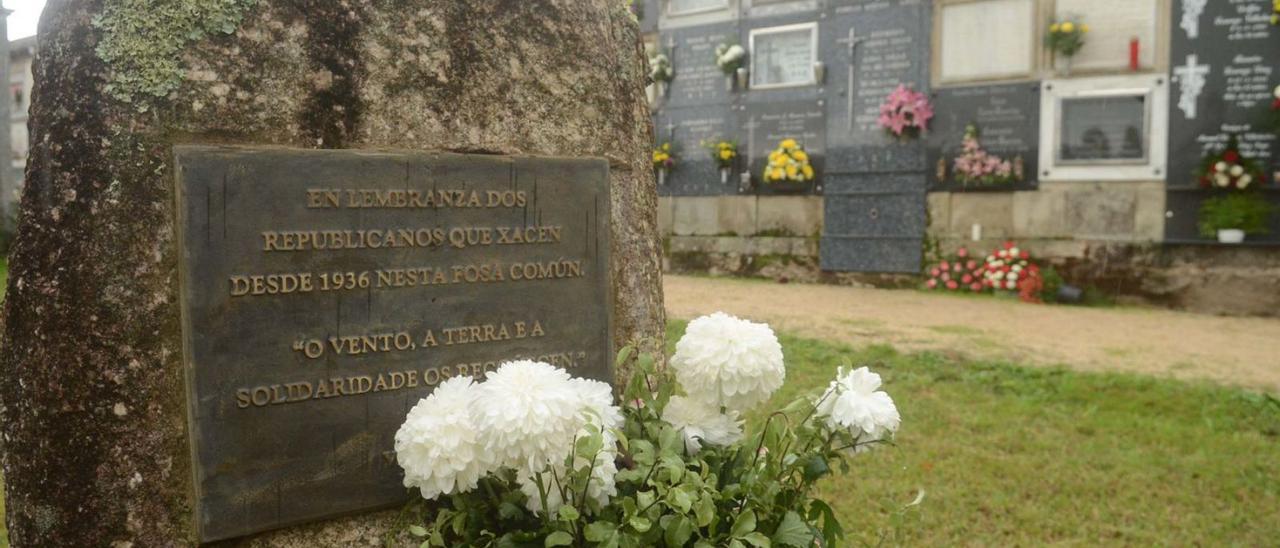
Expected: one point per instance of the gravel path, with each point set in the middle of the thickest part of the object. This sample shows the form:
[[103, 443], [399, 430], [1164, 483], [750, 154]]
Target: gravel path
[[1237, 351]]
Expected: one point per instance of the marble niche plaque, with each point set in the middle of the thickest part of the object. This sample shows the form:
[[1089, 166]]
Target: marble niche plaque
[[325, 292], [1008, 119]]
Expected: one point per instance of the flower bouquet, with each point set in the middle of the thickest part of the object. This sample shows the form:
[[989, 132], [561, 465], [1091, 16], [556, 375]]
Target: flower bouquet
[[1275, 12], [723, 153], [1006, 267], [975, 165], [534, 457], [661, 71], [789, 165], [730, 58], [959, 272], [1233, 216], [663, 161], [905, 112], [1065, 38], [1228, 169]]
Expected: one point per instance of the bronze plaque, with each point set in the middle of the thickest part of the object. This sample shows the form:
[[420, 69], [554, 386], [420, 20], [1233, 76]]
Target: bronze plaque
[[325, 292]]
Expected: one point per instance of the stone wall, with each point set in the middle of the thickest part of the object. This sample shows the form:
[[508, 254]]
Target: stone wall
[[93, 410], [1103, 235]]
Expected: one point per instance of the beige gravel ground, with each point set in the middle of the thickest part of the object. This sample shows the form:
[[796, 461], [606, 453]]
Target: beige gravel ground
[[1237, 351]]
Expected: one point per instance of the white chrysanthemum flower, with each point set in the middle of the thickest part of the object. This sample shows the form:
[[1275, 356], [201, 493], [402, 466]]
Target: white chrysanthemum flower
[[600, 488], [530, 412], [439, 446], [1220, 167], [597, 399], [1244, 181], [727, 361], [1222, 179], [1237, 170], [700, 422], [854, 401]]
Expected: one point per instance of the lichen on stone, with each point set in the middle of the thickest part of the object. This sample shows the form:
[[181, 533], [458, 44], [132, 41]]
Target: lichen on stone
[[142, 41]]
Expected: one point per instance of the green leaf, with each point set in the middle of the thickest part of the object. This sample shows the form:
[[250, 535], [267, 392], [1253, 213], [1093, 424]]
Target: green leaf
[[623, 356], [705, 510], [507, 510], [598, 531], [558, 538], [680, 500], [757, 539], [437, 539], [645, 363], [569, 513], [815, 467], [589, 446], [678, 531], [674, 466], [417, 531], [671, 442], [640, 523], [745, 524], [735, 543], [793, 531], [645, 498]]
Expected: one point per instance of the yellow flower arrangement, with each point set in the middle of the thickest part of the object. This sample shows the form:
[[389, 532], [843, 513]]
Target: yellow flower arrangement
[[1066, 37], [722, 152], [663, 158], [788, 162], [1275, 12]]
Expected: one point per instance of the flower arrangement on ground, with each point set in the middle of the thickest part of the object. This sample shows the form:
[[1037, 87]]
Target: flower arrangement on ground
[[975, 165], [905, 112], [660, 69], [1229, 169], [1005, 267], [1066, 37], [534, 457], [1241, 213], [958, 272], [790, 163], [1275, 12], [730, 57]]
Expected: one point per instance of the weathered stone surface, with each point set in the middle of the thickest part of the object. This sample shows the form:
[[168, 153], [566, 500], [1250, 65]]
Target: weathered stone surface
[[1038, 214], [992, 210], [1101, 211], [95, 449], [789, 215]]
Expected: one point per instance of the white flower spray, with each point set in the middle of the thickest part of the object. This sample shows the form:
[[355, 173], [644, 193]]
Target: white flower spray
[[729, 362]]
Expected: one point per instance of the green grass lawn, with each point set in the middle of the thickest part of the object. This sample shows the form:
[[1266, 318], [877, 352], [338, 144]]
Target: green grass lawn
[[1010, 455]]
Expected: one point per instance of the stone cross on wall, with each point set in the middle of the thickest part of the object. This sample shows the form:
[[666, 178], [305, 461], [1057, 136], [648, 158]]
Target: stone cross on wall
[[1190, 78], [852, 42], [671, 130], [1191, 10], [751, 126]]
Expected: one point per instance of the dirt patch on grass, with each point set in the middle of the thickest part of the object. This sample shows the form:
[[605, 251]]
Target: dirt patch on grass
[[1237, 351]]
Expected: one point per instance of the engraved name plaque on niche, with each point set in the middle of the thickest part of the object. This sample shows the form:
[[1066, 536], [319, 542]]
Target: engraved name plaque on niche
[[325, 292]]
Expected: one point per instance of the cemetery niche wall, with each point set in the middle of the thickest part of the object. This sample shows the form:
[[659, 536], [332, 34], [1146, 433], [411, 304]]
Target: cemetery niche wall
[[1224, 70], [169, 224]]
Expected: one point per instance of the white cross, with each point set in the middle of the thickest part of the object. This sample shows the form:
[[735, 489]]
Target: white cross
[[1191, 10], [671, 130], [1190, 78]]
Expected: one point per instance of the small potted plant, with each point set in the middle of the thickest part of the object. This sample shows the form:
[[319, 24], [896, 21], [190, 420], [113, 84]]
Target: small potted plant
[[905, 113], [663, 161], [724, 154], [661, 72], [730, 58], [1065, 38], [789, 168], [1231, 217]]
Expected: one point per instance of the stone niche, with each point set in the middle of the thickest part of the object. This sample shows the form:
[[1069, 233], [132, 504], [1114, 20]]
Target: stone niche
[[159, 335], [985, 40], [1111, 25]]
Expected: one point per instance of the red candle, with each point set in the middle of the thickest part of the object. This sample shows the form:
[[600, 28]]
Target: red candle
[[1133, 53]]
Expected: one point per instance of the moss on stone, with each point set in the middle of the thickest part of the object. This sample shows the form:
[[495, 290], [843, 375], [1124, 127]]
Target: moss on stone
[[142, 41]]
